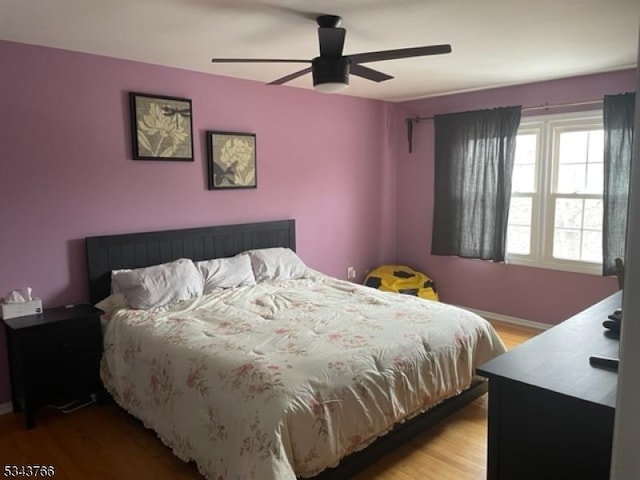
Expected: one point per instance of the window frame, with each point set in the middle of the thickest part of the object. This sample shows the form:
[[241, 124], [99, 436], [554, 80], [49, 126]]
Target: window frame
[[548, 128]]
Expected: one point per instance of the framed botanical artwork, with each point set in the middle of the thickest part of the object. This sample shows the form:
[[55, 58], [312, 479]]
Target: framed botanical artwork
[[232, 160], [161, 127]]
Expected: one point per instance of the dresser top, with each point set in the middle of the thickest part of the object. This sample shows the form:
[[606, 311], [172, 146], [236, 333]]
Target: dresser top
[[558, 359]]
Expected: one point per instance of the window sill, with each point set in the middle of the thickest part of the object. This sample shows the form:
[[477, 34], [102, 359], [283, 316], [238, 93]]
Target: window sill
[[561, 265]]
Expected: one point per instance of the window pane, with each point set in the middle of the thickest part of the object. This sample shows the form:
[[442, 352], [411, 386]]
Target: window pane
[[593, 214], [595, 178], [578, 232], [566, 244], [571, 178], [520, 211], [580, 162], [523, 180], [596, 146], [526, 145], [519, 227], [573, 147], [569, 213], [519, 240], [592, 246]]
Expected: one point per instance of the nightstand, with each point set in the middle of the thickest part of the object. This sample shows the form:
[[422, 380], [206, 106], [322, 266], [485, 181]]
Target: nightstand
[[53, 357]]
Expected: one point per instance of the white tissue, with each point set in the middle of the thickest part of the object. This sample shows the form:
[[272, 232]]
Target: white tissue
[[19, 296]]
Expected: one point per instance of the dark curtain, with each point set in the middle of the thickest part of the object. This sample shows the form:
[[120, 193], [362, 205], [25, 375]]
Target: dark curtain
[[474, 154], [619, 112]]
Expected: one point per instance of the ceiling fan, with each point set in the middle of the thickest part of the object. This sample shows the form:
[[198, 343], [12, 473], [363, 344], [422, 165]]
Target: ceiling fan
[[331, 69]]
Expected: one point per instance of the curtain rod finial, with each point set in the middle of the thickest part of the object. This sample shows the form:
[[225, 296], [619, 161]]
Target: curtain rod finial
[[410, 121]]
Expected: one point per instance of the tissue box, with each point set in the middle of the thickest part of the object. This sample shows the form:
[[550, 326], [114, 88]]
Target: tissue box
[[20, 309]]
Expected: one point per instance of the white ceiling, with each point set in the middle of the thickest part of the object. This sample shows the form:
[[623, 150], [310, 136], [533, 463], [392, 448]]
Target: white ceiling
[[495, 42]]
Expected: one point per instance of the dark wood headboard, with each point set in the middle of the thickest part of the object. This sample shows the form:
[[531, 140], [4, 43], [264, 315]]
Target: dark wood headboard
[[137, 250]]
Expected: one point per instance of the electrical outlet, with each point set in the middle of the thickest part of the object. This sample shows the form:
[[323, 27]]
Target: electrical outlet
[[351, 273]]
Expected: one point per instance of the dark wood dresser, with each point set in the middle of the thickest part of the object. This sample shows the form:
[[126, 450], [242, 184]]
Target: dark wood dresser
[[550, 412], [53, 357]]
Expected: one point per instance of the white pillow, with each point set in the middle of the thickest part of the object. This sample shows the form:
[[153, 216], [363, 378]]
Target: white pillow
[[158, 285], [226, 272], [277, 264], [115, 288], [112, 302], [110, 306]]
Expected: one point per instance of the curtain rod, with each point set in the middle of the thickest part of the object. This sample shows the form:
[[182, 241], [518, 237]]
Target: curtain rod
[[545, 106]]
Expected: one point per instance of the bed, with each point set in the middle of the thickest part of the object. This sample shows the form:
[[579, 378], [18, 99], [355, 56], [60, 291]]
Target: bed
[[303, 377]]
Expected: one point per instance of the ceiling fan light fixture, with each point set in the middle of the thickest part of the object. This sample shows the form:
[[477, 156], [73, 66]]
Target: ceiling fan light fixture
[[330, 87], [330, 75]]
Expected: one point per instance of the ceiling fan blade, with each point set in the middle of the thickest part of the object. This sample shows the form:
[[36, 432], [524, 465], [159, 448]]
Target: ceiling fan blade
[[369, 73], [399, 53], [257, 60], [331, 41], [292, 76]]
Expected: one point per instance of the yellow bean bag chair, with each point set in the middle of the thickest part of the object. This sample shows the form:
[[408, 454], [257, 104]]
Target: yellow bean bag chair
[[402, 279]]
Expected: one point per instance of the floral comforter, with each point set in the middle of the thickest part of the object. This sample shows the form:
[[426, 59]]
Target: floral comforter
[[286, 378]]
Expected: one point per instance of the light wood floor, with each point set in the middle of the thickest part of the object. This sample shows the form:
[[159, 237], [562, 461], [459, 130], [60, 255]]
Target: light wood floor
[[105, 443]]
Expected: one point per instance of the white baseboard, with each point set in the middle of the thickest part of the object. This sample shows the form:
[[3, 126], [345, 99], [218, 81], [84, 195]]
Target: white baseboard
[[507, 319], [5, 408]]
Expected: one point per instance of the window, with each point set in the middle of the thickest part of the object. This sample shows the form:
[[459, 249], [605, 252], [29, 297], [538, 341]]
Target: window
[[555, 218]]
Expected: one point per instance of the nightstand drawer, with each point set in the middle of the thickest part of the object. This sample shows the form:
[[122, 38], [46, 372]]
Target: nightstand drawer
[[60, 346], [60, 335]]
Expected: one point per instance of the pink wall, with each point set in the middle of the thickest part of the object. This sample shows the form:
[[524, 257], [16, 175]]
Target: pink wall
[[66, 168], [541, 295], [336, 164]]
